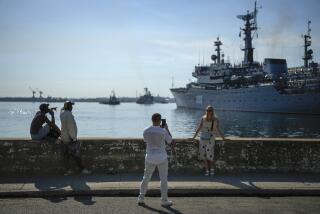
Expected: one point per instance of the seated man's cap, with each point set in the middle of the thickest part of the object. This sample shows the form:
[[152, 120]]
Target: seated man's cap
[[67, 104], [43, 106]]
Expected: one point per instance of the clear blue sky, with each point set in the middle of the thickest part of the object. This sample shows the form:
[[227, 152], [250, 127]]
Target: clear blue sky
[[76, 48]]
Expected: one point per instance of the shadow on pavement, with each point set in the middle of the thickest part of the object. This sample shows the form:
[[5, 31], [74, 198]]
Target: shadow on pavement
[[75, 182], [154, 209], [172, 210], [79, 182]]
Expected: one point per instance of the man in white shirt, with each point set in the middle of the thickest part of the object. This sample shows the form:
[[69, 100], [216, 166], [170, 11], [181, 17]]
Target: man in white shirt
[[156, 156], [69, 132]]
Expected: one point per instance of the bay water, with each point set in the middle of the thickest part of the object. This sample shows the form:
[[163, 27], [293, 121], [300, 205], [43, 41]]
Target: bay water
[[129, 120]]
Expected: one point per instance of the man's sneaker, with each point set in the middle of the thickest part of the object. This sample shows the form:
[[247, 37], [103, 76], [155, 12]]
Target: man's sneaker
[[166, 203], [207, 173], [69, 172], [141, 200], [211, 172], [85, 171]]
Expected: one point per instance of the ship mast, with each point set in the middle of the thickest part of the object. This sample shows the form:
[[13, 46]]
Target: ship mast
[[217, 58], [218, 43], [249, 30], [307, 42]]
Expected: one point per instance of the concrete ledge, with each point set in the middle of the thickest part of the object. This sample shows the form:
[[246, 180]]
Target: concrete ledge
[[179, 185], [115, 155], [156, 193], [284, 139]]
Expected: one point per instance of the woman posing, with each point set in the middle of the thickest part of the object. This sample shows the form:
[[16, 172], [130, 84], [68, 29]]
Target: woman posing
[[208, 125]]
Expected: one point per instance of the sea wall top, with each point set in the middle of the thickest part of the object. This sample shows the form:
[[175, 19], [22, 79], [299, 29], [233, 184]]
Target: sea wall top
[[117, 155]]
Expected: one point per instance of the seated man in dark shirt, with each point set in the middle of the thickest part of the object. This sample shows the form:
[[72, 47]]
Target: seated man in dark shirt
[[37, 130]]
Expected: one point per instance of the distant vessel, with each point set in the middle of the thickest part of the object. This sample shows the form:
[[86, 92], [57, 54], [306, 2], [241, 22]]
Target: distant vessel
[[162, 100], [112, 100], [253, 86], [147, 98]]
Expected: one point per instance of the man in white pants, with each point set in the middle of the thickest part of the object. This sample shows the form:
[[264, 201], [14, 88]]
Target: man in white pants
[[156, 156]]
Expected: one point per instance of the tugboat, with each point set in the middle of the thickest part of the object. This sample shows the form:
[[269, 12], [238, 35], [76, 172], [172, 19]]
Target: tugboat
[[253, 86], [147, 98], [112, 100]]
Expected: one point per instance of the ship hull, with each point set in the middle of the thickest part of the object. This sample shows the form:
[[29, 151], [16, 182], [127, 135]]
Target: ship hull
[[256, 99]]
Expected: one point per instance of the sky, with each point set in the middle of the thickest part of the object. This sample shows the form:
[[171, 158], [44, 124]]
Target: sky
[[86, 48]]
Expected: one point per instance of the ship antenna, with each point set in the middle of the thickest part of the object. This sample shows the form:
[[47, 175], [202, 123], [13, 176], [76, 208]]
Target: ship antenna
[[307, 42], [172, 86], [199, 57], [309, 29], [250, 26], [203, 58]]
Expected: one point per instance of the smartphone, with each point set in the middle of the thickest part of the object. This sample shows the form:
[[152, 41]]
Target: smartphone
[[163, 122]]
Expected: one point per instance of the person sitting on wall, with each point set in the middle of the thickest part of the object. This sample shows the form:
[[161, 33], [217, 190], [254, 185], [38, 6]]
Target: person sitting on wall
[[156, 156], [37, 130], [208, 125], [70, 145]]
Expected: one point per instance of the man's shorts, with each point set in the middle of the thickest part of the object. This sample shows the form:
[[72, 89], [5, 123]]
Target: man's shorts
[[42, 133]]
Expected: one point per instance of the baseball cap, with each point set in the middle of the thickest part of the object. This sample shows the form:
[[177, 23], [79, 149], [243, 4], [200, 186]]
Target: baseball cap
[[67, 104], [43, 106]]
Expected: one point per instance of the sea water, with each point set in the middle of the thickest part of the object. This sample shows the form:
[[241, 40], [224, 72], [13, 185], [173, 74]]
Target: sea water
[[129, 120]]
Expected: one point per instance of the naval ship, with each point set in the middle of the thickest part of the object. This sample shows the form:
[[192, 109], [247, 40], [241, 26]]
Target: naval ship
[[112, 100], [147, 98], [253, 86]]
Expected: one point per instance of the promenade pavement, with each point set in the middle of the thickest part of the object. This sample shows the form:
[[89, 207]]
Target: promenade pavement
[[179, 185], [185, 205]]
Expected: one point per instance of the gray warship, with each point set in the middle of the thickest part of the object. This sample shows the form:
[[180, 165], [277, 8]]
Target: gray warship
[[147, 98], [253, 86], [112, 100]]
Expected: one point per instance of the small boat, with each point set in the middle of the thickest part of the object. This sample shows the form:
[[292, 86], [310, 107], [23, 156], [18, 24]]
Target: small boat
[[162, 100], [147, 98], [112, 100]]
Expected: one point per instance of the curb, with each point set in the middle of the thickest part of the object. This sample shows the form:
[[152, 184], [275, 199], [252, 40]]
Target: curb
[[171, 192]]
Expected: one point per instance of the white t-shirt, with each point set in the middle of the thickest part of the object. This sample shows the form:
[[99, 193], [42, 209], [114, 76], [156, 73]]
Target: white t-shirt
[[69, 128], [155, 137]]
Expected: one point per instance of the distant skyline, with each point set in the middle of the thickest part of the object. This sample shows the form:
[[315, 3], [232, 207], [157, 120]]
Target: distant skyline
[[77, 48]]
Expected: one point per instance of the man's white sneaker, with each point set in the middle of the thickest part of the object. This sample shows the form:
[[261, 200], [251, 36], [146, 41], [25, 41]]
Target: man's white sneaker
[[69, 172], [211, 172], [166, 203], [85, 171], [141, 200]]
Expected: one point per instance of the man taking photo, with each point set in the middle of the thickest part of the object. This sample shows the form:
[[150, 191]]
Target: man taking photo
[[156, 156]]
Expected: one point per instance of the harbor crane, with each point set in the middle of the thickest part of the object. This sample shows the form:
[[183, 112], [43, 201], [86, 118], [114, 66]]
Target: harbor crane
[[33, 92], [40, 93]]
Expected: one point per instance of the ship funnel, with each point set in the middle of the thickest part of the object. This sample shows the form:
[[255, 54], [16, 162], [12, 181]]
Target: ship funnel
[[275, 67]]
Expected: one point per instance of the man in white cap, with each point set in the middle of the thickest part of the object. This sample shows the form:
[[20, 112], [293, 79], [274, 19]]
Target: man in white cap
[[69, 133], [156, 156], [37, 130]]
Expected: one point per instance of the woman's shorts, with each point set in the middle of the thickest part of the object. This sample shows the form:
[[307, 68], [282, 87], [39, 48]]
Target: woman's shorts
[[206, 149]]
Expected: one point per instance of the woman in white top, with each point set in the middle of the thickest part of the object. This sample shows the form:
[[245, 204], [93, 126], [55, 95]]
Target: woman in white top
[[209, 124]]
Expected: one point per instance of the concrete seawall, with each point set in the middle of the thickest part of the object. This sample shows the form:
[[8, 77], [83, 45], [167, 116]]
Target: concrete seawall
[[107, 155]]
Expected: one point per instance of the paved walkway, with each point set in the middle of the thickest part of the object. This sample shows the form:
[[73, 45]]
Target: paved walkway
[[185, 205], [179, 185]]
